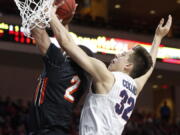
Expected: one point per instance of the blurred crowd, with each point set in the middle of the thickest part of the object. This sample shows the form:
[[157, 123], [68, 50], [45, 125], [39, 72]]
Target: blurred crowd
[[149, 124], [13, 115]]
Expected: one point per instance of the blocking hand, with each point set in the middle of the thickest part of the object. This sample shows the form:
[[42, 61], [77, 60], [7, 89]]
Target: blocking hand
[[161, 30]]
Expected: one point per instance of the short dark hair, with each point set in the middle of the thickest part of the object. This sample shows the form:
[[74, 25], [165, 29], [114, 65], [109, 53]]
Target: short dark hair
[[87, 50], [142, 61]]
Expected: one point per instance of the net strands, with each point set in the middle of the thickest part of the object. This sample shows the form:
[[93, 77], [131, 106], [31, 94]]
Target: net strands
[[34, 13]]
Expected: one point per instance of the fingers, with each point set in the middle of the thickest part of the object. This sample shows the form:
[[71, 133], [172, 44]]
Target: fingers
[[57, 5], [60, 4], [73, 12], [76, 5], [161, 22], [169, 22]]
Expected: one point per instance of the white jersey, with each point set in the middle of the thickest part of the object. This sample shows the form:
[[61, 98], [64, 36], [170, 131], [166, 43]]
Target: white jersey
[[106, 114]]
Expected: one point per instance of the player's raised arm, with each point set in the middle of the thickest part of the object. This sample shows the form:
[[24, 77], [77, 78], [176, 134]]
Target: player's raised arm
[[42, 39], [96, 68], [161, 31]]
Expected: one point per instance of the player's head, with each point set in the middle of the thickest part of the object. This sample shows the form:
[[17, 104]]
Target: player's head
[[135, 62]]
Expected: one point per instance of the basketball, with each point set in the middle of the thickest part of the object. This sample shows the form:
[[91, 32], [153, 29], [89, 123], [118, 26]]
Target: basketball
[[66, 10]]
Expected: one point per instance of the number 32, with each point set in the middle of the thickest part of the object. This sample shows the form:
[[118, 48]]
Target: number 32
[[119, 108]]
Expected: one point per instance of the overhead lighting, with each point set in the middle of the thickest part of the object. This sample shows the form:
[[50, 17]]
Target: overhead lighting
[[154, 86], [152, 12], [159, 76], [117, 6], [178, 1]]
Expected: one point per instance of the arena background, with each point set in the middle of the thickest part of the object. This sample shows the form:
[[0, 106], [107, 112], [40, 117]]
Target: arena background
[[132, 20]]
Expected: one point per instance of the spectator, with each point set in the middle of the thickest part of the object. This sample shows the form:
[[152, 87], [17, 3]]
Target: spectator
[[165, 112]]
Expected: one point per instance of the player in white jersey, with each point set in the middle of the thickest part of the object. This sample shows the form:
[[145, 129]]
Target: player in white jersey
[[106, 114], [109, 105]]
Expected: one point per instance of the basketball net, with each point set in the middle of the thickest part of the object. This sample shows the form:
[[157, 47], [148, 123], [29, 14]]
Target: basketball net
[[34, 14]]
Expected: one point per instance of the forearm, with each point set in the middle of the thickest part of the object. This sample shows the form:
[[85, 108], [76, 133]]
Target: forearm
[[94, 67], [61, 33], [161, 31], [154, 49], [42, 40], [67, 43]]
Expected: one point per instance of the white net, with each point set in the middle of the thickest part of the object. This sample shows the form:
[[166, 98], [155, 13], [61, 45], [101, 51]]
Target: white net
[[34, 13]]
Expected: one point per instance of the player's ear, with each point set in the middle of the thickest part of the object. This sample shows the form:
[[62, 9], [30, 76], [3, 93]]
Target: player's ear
[[128, 67]]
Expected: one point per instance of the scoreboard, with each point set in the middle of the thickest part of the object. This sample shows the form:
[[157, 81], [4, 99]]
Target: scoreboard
[[14, 33]]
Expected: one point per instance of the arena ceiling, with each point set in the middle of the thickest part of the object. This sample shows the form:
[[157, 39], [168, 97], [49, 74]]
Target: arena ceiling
[[146, 9], [145, 12]]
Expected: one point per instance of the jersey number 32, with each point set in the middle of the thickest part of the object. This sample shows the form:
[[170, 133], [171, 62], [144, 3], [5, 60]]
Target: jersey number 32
[[120, 107]]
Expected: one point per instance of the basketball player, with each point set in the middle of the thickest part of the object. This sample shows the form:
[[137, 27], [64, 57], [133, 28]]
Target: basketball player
[[110, 103], [60, 87]]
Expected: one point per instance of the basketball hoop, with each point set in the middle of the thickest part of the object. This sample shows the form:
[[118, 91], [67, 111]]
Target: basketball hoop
[[34, 13]]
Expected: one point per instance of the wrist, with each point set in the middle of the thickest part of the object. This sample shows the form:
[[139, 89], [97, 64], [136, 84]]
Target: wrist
[[158, 37], [53, 16]]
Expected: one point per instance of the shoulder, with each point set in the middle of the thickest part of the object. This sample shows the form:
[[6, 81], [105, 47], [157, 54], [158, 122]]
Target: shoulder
[[101, 70], [104, 86]]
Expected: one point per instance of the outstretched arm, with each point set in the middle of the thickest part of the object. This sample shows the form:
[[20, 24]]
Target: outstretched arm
[[96, 68], [161, 32], [42, 39]]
